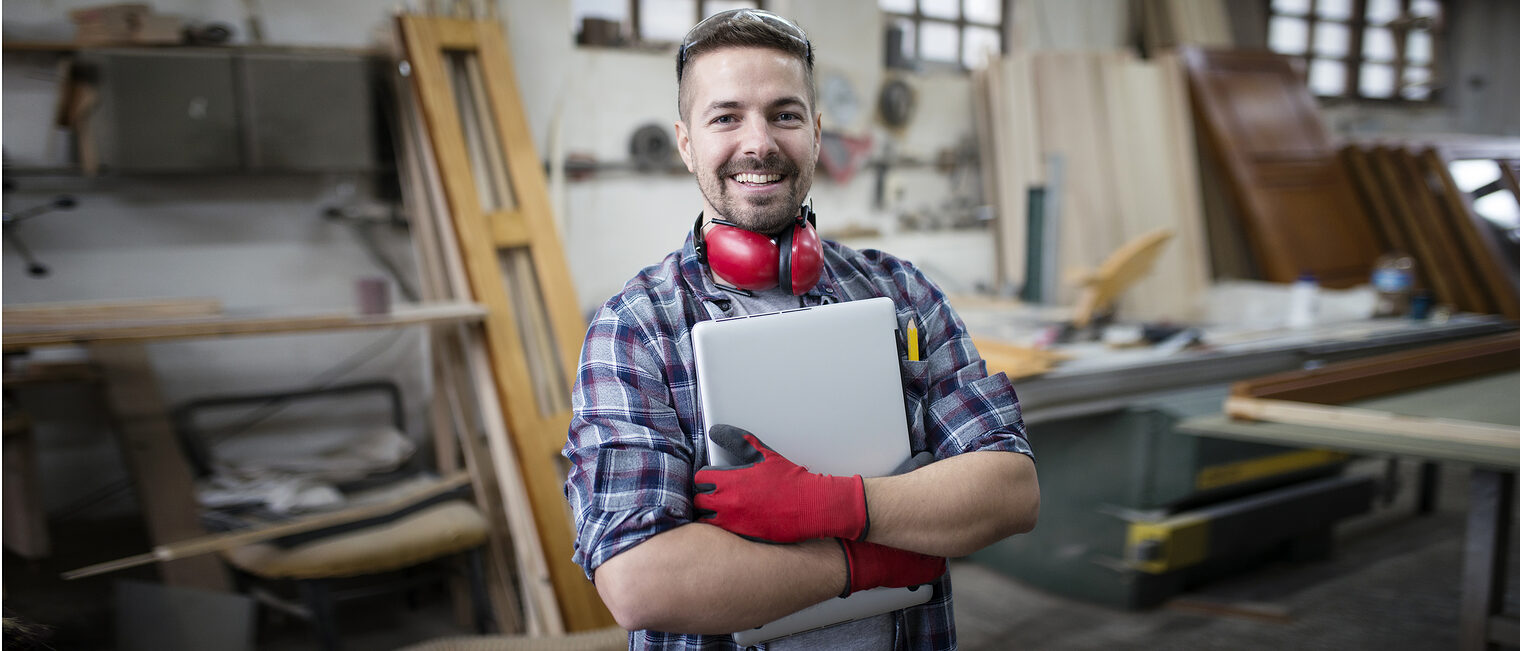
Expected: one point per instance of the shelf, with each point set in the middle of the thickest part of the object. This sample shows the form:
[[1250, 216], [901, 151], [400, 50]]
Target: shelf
[[227, 325]]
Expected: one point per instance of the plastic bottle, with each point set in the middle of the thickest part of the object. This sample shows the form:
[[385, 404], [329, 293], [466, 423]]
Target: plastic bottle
[[1303, 301], [1393, 278]]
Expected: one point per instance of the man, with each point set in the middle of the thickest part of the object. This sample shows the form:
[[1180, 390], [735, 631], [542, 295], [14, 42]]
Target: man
[[684, 555]]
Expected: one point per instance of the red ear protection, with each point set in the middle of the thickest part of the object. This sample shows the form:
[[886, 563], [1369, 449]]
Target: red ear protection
[[792, 259]]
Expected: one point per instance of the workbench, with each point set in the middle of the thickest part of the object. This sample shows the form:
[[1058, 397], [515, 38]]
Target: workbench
[[1489, 400], [1119, 480]]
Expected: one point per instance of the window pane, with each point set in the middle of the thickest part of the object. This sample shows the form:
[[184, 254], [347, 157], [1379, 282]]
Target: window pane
[[1471, 174], [666, 20], [1416, 83], [1331, 39], [981, 42], [985, 11], [1499, 209], [1288, 35], [1377, 44], [1327, 77], [947, 9], [1428, 8], [710, 7], [1334, 9], [1377, 80], [1417, 48], [1296, 7], [606, 9], [896, 6], [1379, 12], [940, 42]]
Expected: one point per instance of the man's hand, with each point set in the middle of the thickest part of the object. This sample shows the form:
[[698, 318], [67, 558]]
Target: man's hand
[[878, 566], [767, 497]]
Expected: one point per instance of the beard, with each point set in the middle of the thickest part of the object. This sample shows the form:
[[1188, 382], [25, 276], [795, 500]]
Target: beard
[[767, 214]]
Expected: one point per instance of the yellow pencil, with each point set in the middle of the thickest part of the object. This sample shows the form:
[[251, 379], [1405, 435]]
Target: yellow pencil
[[912, 339]]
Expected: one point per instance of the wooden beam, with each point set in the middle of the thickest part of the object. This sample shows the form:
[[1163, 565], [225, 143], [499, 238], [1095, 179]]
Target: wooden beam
[[201, 545], [229, 325], [74, 313], [1372, 376], [1373, 421]]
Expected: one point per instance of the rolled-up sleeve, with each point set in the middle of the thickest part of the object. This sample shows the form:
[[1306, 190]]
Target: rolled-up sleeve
[[630, 466]]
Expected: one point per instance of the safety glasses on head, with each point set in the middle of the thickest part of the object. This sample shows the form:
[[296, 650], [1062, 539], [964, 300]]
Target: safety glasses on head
[[721, 25]]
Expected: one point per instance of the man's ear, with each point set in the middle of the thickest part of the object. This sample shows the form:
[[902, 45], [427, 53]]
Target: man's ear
[[683, 145], [817, 135]]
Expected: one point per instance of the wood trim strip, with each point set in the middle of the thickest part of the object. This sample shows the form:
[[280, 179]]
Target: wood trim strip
[[1364, 378]]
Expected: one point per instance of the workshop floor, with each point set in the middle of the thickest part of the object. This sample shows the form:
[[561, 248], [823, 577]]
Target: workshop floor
[[1392, 583]]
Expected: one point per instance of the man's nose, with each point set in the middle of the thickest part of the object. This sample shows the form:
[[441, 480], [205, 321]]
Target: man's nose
[[757, 139]]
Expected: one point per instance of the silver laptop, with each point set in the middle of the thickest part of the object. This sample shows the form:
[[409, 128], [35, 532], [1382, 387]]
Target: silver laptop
[[821, 386]]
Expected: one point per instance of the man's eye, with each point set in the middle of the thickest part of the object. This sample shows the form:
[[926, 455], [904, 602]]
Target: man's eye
[[788, 117], [724, 119]]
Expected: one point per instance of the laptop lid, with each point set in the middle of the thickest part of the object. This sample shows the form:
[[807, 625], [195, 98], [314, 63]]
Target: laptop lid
[[820, 385]]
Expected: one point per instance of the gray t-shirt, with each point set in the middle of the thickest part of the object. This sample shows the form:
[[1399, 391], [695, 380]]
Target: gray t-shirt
[[861, 635]]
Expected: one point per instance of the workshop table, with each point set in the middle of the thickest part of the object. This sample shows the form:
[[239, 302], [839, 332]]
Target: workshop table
[[1491, 400]]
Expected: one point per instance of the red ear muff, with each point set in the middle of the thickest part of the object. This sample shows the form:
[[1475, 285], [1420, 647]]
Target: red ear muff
[[753, 261], [745, 258]]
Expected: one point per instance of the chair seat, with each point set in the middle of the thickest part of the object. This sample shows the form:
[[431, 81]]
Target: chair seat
[[439, 530]]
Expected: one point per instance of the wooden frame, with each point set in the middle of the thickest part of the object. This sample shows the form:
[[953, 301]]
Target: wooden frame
[[516, 268]]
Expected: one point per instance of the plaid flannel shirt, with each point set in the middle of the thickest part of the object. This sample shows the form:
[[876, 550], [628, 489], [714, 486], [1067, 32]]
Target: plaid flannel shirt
[[634, 441]]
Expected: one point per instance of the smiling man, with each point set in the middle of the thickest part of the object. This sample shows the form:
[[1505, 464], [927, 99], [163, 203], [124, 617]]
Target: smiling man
[[684, 555]]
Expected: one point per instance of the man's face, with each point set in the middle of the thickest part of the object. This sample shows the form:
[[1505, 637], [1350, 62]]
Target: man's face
[[750, 135]]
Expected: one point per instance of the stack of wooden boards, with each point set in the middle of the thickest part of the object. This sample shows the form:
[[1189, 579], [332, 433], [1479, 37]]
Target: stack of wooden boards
[[484, 231], [1415, 205], [1306, 205], [1088, 151]]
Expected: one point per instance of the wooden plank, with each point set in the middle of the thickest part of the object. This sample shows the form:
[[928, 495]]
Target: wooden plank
[[159, 473], [1373, 421], [1427, 270], [536, 436], [25, 516], [231, 325], [498, 487], [199, 546], [1501, 277], [1401, 371], [66, 314], [1453, 260], [1375, 199]]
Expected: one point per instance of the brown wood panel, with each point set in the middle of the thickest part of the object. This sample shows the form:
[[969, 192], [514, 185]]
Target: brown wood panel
[[1363, 378], [1453, 259], [1293, 195]]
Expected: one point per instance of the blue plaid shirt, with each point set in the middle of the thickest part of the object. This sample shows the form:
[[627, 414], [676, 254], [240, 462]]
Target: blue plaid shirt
[[634, 441]]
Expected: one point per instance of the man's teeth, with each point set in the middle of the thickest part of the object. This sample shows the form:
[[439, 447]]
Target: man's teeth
[[757, 178]]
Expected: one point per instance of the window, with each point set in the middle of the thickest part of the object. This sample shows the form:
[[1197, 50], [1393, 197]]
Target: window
[[644, 22], [1365, 49], [942, 33]]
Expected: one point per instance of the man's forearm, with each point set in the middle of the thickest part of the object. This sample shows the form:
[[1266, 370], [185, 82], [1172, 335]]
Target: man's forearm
[[955, 506], [700, 579]]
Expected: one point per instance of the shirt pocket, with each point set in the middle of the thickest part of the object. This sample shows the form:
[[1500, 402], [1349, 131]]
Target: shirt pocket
[[915, 381]]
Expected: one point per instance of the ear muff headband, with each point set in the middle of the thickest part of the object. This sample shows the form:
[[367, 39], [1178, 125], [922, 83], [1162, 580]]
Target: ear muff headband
[[754, 261]]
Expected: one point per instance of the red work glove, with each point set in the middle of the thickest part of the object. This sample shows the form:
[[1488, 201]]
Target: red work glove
[[770, 498], [877, 566]]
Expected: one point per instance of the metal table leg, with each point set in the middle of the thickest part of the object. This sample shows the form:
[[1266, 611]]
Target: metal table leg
[[1484, 556]]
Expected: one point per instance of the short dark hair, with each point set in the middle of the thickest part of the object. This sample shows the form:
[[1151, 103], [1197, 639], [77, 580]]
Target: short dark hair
[[743, 28]]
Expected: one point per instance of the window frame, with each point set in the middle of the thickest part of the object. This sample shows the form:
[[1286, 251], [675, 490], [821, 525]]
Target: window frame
[[632, 34], [1355, 58], [918, 63]]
